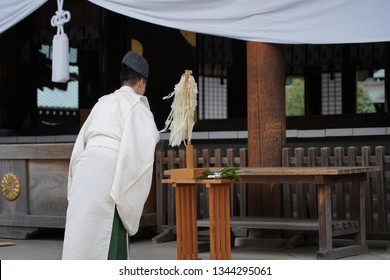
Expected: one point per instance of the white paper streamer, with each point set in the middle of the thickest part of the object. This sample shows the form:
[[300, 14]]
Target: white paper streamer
[[181, 118]]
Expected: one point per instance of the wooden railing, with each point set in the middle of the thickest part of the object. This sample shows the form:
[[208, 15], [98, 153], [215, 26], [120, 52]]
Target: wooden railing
[[299, 201]]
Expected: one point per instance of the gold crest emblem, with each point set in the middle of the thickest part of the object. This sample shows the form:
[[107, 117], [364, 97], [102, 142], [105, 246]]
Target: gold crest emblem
[[10, 186]]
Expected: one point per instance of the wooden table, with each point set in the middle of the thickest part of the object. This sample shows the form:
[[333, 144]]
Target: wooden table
[[322, 177]]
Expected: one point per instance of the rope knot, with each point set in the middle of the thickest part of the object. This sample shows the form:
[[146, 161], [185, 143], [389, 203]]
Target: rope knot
[[60, 18]]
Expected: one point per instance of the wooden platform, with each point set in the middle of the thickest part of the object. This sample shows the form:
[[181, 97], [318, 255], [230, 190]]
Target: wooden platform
[[339, 227]]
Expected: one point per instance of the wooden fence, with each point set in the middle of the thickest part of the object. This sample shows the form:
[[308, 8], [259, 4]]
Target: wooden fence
[[299, 201]]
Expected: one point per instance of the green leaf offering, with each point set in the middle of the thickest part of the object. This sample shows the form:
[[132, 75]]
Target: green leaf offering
[[230, 173]]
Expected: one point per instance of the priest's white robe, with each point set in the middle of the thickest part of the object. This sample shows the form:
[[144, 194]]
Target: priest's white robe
[[111, 165]]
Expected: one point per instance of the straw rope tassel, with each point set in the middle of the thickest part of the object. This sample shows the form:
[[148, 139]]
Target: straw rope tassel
[[181, 118], [60, 59]]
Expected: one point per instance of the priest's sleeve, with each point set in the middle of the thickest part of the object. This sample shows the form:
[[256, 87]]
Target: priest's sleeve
[[134, 171]]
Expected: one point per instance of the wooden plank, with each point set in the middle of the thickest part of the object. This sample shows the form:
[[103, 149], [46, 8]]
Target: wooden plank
[[34, 221], [182, 159], [226, 223], [171, 154], [296, 171], [185, 223], [234, 203], [205, 157], [217, 158], [318, 175], [354, 187], [194, 227], [342, 252], [347, 226], [325, 217], [197, 158], [287, 193], [212, 225], [36, 151], [312, 188], [302, 179], [340, 190], [268, 223], [48, 183], [204, 202], [186, 228], [166, 234], [325, 156], [179, 212], [360, 238], [243, 187], [189, 156], [366, 152], [380, 190], [217, 221], [161, 193], [300, 189], [331, 170]]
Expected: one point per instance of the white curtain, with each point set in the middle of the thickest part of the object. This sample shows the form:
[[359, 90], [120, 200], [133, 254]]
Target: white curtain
[[275, 21], [13, 11]]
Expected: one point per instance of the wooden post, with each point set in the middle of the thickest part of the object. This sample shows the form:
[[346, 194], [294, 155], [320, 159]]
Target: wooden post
[[266, 121], [186, 227], [189, 156], [219, 215], [189, 147]]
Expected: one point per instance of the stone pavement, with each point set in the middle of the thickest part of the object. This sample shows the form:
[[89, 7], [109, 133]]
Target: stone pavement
[[49, 247]]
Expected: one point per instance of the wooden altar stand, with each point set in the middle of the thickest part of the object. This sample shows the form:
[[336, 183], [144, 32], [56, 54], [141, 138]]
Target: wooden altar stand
[[186, 214]]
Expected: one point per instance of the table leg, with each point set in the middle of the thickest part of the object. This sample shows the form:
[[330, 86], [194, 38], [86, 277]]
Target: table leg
[[325, 220], [219, 215], [360, 238], [326, 250], [186, 227]]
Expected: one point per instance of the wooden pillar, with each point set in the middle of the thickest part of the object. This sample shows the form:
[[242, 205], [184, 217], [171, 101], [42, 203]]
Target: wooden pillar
[[266, 122]]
